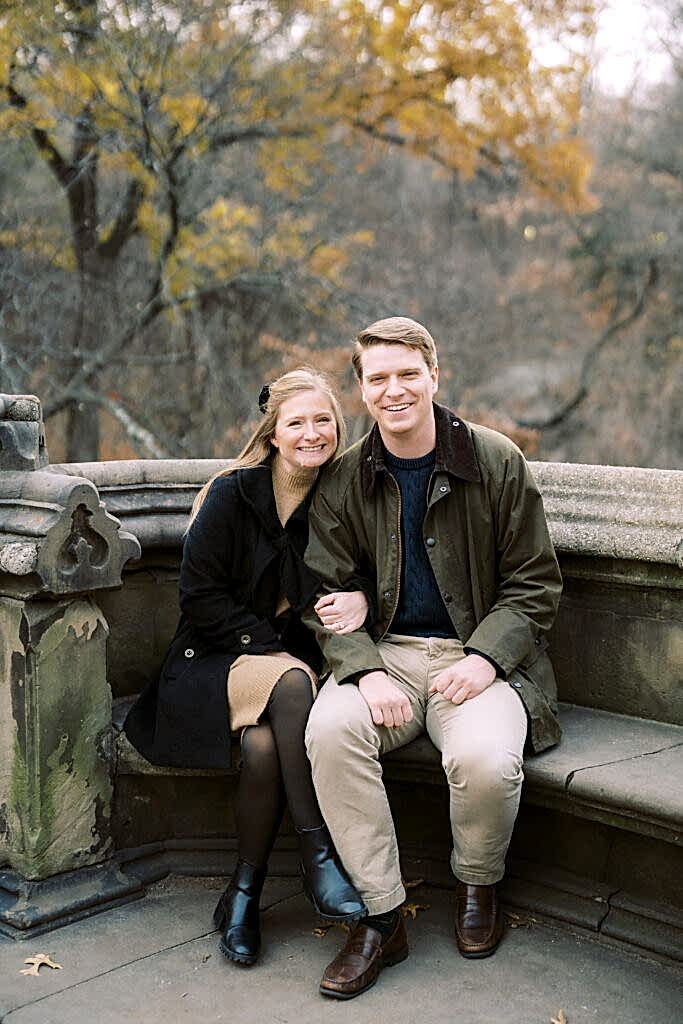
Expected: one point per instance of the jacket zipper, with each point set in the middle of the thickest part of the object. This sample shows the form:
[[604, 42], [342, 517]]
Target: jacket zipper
[[397, 585]]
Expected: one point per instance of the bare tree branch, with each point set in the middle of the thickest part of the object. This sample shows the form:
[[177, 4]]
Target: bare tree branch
[[590, 359], [125, 224]]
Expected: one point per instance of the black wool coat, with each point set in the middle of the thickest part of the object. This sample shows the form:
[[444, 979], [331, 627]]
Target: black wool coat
[[237, 558]]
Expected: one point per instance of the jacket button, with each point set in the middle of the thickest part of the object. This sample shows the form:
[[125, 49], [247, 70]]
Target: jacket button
[[387, 594], [245, 639], [189, 653], [537, 641], [430, 542], [443, 488], [448, 598], [455, 423], [517, 685]]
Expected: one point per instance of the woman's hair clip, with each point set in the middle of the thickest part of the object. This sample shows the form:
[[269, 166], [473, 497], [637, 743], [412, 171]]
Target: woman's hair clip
[[263, 397]]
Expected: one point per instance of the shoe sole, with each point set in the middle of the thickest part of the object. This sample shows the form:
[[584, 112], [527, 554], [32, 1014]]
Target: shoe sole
[[334, 918], [397, 958], [236, 958]]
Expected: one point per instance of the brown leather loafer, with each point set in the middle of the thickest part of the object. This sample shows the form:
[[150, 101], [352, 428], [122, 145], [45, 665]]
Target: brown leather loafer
[[356, 967], [478, 919]]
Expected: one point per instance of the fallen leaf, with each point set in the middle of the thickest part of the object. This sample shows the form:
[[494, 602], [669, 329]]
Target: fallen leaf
[[37, 962], [412, 909], [321, 931], [518, 921], [560, 1019], [412, 885]]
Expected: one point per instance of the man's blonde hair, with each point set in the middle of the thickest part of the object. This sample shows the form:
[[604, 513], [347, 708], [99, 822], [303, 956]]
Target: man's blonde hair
[[394, 330]]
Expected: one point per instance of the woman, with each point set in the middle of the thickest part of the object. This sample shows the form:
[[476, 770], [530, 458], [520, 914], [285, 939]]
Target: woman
[[243, 585]]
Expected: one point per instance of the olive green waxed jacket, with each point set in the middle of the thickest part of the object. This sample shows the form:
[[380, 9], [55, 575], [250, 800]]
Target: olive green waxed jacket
[[488, 544]]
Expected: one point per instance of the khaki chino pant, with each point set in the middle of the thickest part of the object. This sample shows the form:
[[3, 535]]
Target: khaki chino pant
[[481, 743]]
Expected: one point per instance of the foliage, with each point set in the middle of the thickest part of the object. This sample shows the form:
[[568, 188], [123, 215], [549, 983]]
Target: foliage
[[187, 146]]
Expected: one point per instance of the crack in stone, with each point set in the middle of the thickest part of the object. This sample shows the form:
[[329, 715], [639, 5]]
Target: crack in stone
[[620, 760]]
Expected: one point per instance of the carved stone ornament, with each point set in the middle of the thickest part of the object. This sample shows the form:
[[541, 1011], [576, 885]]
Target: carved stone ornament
[[22, 438], [54, 527]]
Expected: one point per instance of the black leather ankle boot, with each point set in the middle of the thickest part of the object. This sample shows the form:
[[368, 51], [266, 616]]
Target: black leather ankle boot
[[325, 882], [237, 914]]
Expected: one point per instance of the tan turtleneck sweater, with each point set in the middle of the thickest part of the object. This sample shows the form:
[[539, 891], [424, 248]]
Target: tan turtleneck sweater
[[289, 488]]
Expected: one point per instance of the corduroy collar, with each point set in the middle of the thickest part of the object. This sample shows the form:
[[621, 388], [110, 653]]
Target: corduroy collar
[[454, 450]]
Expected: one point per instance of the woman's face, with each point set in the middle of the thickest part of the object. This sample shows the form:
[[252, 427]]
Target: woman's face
[[305, 431]]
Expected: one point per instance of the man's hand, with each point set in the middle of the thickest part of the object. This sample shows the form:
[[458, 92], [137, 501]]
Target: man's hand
[[342, 612], [388, 705], [465, 679]]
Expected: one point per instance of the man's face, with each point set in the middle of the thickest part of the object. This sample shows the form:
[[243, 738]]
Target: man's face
[[397, 388]]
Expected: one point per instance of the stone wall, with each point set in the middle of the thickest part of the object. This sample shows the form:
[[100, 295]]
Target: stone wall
[[618, 641]]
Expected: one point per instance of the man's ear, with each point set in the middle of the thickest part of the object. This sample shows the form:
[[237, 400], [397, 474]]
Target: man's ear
[[435, 379]]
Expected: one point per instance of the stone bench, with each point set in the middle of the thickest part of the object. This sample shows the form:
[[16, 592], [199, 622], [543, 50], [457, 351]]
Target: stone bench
[[622, 772]]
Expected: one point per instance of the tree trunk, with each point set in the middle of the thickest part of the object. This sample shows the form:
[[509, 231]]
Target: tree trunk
[[83, 432]]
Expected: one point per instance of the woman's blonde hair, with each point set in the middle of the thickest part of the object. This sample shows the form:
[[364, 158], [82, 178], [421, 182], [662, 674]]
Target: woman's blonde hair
[[259, 446]]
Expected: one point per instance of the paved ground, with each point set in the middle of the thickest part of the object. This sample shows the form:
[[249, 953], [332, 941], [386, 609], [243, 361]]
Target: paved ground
[[156, 960]]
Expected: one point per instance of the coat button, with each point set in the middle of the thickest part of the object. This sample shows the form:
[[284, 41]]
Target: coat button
[[448, 598], [517, 685], [443, 488], [245, 639], [537, 641], [189, 653], [430, 542], [455, 423], [387, 594]]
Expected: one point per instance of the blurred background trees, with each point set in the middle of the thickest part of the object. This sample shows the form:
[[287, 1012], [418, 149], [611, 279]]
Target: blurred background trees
[[197, 196]]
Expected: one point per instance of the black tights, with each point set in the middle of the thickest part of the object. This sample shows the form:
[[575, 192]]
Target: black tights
[[275, 770]]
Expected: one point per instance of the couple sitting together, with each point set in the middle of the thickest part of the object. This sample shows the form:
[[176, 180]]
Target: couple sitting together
[[416, 569]]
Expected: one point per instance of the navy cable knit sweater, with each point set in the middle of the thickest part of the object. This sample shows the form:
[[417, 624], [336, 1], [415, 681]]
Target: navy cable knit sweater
[[421, 611]]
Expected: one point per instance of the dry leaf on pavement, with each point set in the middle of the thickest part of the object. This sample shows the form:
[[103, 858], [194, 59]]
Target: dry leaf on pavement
[[321, 931], [560, 1019], [519, 920], [412, 909], [37, 962], [413, 884]]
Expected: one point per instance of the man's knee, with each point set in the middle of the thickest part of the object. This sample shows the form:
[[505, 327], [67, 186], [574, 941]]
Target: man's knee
[[338, 719], [483, 768]]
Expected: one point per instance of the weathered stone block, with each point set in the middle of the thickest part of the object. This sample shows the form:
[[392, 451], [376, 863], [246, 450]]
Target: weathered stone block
[[55, 735], [22, 439]]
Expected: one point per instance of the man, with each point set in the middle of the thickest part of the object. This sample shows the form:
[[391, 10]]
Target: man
[[441, 524]]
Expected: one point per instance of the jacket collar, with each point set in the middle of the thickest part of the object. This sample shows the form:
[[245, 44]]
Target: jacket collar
[[256, 487], [455, 452]]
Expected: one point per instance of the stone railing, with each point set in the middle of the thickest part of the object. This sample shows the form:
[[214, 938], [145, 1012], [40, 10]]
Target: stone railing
[[91, 551]]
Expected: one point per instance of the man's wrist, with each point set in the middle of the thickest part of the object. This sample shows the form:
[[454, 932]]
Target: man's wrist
[[356, 677], [494, 664]]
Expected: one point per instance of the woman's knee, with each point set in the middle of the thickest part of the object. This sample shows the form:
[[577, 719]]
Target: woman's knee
[[293, 688], [259, 752]]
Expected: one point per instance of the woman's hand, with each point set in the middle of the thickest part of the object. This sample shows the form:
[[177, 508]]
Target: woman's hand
[[342, 612]]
